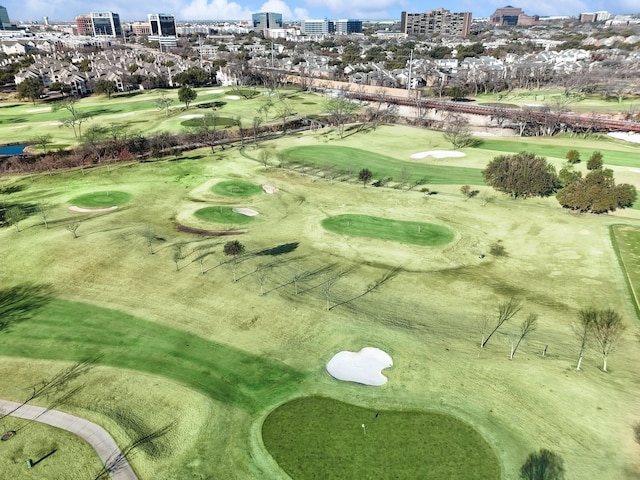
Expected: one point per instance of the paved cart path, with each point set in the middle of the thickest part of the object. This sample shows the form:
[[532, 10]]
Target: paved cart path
[[96, 436]]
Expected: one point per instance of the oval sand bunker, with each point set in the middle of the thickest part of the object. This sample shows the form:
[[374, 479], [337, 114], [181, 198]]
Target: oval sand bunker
[[363, 367], [245, 211], [438, 154]]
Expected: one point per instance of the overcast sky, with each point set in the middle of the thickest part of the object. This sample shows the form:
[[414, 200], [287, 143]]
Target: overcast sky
[[27, 10]]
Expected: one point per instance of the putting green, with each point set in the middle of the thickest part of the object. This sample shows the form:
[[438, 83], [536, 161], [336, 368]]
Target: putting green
[[107, 198], [220, 214], [417, 233], [236, 188], [316, 437]]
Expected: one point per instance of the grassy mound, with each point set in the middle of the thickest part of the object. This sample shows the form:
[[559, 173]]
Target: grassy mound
[[317, 437], [101, 199], [236, 188], [220, 214], [210, 121], [354, 159], [417, 233]]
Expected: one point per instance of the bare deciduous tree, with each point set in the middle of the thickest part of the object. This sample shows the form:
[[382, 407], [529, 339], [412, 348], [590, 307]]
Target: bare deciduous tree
[[527, 326], [607, 330], [73, 228], [582, 329], [43, 210], [506, 311], [261, 276]]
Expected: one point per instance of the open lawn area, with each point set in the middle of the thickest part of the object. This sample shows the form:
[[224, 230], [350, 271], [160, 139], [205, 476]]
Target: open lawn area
[[179, 344]]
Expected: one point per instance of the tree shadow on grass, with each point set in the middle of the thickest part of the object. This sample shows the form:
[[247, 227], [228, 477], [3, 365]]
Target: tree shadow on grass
[[19, 302], [279, 249]]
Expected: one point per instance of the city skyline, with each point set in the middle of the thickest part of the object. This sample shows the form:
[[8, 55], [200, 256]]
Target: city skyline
[[185, 10]]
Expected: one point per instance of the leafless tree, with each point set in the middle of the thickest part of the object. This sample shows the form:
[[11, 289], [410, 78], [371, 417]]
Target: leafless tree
[[261, 276], [527, 326], [151, 237], [506, 311], [73, 228], [607, 330], [582, 330], [43, 209], [330, 280]]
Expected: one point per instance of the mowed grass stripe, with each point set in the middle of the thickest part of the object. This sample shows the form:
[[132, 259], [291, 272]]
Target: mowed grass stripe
[[355, 159], [416, 233], [317, 437], [72, 331]]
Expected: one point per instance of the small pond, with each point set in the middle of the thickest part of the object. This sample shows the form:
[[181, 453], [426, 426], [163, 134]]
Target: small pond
[[12, 149]]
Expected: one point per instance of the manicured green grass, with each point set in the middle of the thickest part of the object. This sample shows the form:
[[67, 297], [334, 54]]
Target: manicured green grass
[[626, 243], [107, 198], [236, 188], [316, 437], [417, 233], [74, 331], [222, 214], [348, 158], [558, 147]]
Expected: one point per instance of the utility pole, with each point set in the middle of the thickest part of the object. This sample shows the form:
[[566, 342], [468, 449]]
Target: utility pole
[[409, 79]]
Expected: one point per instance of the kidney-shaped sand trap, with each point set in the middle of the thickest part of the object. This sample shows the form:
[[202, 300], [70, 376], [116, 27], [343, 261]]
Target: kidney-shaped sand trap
[[268, 188], [438, 154], [245, 211], [363, 367]]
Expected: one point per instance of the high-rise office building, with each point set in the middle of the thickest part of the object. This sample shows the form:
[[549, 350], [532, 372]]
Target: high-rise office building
[[436, 22], [106, 24], [162, 24], [264, 20], [347, 27], [316, 27], [5, 23]]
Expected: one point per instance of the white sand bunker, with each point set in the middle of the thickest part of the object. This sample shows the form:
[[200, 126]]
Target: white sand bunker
[[363, 367], [232, 97], [268, 189], [73, 208], [213, 92], [193, 115], [245, 211], [626, 136], [438, 154], [36, 110]]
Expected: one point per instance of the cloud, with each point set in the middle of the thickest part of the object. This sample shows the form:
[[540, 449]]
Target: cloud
[[278, 6], [361, 8], [214, 10]]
